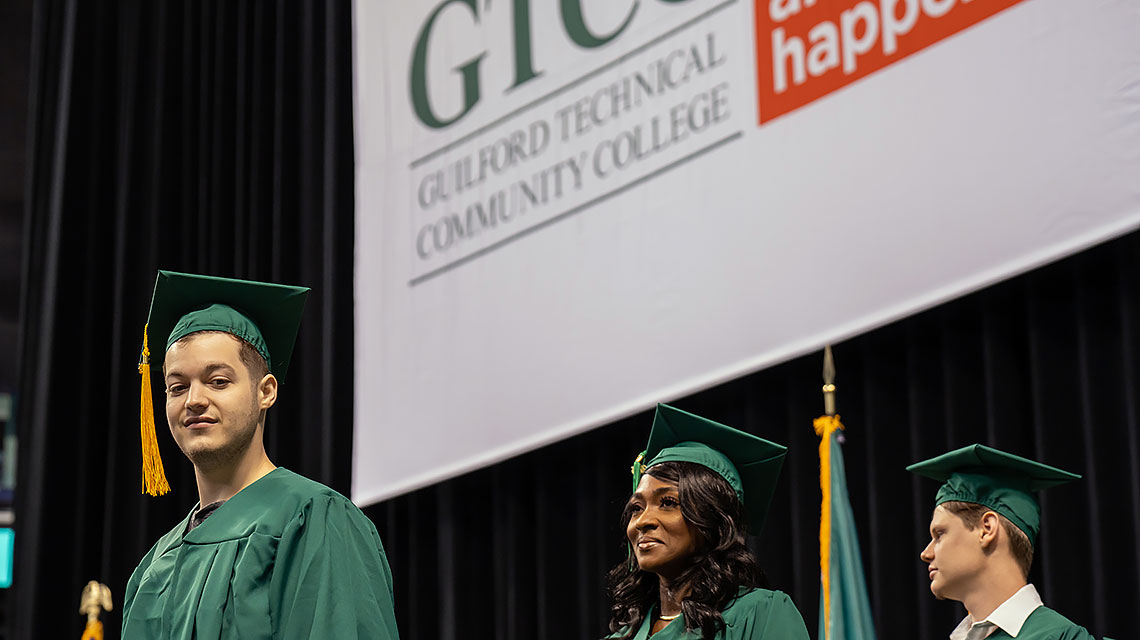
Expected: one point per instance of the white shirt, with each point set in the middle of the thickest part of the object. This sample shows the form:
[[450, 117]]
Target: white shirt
[[1009, 616]]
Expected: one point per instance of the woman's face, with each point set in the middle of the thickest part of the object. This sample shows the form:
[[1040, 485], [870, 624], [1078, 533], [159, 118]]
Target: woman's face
[[663, 541]]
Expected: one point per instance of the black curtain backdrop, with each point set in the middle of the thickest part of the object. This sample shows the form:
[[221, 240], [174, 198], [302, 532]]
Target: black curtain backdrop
[[1044, 365], [213, 137], [217, 137]]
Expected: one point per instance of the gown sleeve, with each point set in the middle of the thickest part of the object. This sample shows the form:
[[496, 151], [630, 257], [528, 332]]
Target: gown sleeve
[[133, 585], [1080, 633], [1046, 624], [331, 578], [782, 621]]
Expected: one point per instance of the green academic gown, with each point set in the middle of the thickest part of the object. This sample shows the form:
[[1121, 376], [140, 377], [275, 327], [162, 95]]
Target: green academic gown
[[1046, 624], [284, 558], [758, 614]]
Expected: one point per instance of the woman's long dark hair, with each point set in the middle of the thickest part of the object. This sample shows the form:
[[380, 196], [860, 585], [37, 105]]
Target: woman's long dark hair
[[721, 565]]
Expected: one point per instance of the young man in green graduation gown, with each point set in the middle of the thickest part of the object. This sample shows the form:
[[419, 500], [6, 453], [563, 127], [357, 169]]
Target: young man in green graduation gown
[[265, 553], [982, 533]]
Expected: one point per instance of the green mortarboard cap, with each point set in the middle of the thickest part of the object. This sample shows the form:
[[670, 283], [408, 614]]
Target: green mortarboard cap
[[263, 314], [995, 479], [750, 465]]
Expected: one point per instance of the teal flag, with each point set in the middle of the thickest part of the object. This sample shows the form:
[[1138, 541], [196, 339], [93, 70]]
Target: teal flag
[[844, 608]]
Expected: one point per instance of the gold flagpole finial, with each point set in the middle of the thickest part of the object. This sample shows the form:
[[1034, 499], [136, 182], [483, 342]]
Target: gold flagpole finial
[[96, 599], [828, 382]]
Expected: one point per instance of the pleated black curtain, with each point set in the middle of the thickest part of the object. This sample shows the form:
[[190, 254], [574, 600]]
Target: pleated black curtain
[[213, 137], [217, 137], [1044, 365]]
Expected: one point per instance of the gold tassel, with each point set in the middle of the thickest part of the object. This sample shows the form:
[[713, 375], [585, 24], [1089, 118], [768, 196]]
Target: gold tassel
[[154, 478], [94, 630], [824, 427]]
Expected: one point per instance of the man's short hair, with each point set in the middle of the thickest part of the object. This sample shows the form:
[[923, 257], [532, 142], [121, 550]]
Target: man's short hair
[[254, 363], [971, 514]]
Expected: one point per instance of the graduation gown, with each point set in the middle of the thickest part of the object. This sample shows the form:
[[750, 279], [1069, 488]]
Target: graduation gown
[[1046, 624], [757, 614], [284, 558]]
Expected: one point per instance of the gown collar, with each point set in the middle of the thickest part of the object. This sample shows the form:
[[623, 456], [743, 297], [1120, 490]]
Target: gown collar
[[239, 516], [676, 628]]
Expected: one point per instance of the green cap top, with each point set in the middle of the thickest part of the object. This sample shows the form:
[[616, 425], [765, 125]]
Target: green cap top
[[749, 464], [263, 314], [995, 479]]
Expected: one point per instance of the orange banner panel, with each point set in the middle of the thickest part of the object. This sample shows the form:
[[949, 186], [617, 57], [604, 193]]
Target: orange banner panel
[[806, 49]]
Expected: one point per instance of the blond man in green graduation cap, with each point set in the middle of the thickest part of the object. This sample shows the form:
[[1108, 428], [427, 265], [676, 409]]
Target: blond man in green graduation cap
[[265, 553], [982, 534]]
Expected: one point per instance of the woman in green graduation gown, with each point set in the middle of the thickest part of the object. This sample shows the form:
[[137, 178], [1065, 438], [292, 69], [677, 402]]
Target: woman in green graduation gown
[[697, 487]]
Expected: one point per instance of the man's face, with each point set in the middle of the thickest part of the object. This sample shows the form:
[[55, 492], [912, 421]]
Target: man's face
[[955, 556], [663, 541], [212, 405]]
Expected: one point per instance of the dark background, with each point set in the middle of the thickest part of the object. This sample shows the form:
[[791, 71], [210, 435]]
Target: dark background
[[217, 137], [15, 40]]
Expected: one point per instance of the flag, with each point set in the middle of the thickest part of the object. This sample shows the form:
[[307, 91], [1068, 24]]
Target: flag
[[844, 608]]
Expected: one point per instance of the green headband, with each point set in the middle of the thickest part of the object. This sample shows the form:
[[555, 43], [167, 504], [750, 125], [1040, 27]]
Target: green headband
[[696, 453], [1018, 506], [220, 317]]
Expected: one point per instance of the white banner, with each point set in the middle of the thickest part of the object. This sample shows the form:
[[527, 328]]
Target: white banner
[[568, 211]]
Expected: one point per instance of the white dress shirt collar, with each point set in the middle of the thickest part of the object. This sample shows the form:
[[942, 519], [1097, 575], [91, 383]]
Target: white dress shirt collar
[[1010, 615]]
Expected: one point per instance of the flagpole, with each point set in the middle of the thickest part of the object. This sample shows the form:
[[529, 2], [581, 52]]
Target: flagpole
[[824, 426], [845, 611], [828, 382]]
